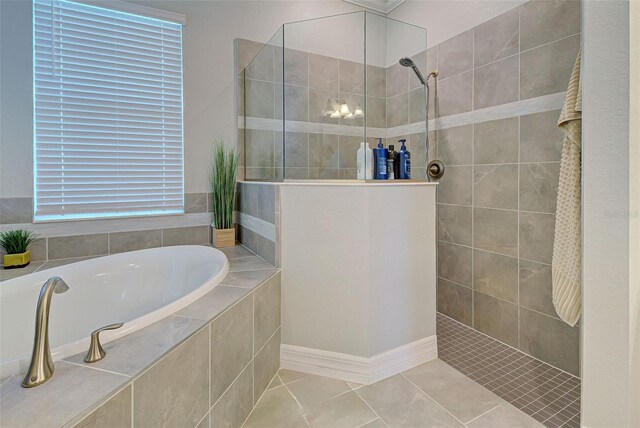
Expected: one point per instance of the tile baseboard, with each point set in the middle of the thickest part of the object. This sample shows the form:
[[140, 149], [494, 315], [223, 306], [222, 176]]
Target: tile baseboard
[[358, 369]]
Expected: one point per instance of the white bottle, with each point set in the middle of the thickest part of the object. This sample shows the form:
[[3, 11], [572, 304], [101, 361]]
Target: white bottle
[[365, 162]]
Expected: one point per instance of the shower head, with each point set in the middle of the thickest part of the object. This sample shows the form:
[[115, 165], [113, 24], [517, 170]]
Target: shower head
[[408, 62]]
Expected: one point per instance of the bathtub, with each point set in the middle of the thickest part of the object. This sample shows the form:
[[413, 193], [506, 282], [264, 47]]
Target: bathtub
[[137, 288]]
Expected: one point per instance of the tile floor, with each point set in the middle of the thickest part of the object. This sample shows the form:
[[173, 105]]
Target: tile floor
[[430, 395], [549, 395]]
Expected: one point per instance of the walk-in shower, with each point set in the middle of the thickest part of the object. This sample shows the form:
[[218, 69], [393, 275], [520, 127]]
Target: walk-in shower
[[318, 88]]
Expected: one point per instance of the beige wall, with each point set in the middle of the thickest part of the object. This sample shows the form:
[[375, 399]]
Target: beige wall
[[208, 77]]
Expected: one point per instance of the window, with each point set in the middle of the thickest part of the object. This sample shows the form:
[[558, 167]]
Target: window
[[107, 113]]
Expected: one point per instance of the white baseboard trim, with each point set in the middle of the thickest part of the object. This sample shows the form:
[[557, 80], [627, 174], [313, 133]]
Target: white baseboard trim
[[357, 369]]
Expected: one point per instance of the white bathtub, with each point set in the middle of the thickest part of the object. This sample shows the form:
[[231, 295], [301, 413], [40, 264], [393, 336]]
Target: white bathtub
[[137, 288]]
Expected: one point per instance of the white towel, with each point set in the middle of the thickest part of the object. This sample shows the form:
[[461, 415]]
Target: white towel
[[567, 244]]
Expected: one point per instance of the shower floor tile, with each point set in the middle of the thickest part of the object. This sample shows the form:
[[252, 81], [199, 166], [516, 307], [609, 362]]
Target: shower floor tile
[[540, 390], [415, 398]]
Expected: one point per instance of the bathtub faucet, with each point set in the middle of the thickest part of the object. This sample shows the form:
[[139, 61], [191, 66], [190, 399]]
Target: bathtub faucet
[[41, 367]]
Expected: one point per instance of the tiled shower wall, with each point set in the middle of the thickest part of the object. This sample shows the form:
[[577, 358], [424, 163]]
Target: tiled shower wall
[[311, 80], [257, 216], [497, 200]]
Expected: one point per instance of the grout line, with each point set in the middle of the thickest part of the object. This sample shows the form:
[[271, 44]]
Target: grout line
[[95, 368], [488, 411], [371, 408], [492, 252], [430, 397]]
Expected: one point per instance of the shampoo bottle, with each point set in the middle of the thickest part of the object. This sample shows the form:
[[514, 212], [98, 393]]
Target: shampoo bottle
[[404, 162], [365, 162], [392, 165], [380, 155]]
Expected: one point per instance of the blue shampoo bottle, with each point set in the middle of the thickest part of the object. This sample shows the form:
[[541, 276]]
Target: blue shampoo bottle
[[404, 162], [380, 155]]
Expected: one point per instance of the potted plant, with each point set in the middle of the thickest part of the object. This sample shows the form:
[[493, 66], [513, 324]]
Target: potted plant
[[15, 243], [223, 187]]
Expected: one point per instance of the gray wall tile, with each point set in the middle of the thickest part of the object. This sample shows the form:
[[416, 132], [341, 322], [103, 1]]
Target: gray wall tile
[[261, 66], [416, 105], [455, 301], [376, 81], [248, 238], [116, 412], [296, 71], [235, 405], [266, 202], [376, 111], [296, 103], [550, 340], [397, 80], [266, 364], [323, 151], [266, 318], [454, 224], [195, 203], [248, 198], [348, 151], [496, 186], [454, 263], [497, 38], [536, 236], [16, 210], [546, 21], [352, 77], [38, 249], [455, 94], [296, 147], [66, 247], [496, 141], [455, 186], [495, 317], [547, 69], [232, 346], [398, 110], [324, 72], [192, 235], [535, 287], [120, 242], [246, 50], [267, 250], [496, 275], [456, 55], [174, 392], [420, 59], [539, 186], [259, 98], [496, 83], [259, 147], [540, 138], [455, 145], [496, 231]]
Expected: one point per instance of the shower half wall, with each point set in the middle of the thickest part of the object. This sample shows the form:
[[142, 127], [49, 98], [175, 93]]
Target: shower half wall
[[307, 100]]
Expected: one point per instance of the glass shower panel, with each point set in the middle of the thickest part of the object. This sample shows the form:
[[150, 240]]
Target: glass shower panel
[[262, 123], [324, 97], [388, 41]]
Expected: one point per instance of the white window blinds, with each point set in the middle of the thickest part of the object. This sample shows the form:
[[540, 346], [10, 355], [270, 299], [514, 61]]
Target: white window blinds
[[108, 113]]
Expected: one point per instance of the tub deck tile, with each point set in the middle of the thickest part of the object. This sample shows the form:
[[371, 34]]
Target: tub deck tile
[[70, 391], [136, 351], [213, 303]]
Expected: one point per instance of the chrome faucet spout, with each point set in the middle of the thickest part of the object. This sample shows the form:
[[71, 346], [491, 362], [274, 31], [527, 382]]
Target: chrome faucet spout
[[41, 367]]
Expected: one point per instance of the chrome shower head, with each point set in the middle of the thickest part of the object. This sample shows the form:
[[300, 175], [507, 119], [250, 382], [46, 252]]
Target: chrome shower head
[[408, 62]]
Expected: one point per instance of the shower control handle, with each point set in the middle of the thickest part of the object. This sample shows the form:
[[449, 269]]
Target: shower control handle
[[435, 170], [96, 353]]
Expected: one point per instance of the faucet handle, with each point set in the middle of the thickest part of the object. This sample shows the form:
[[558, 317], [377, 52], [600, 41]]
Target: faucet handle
[[96, 353]]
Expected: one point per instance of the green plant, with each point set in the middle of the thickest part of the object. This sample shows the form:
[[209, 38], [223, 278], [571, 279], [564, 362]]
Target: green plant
[[16, 241], [223, 184]]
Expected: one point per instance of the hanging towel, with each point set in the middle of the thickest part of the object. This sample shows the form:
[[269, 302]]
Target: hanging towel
[[565, 266]]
